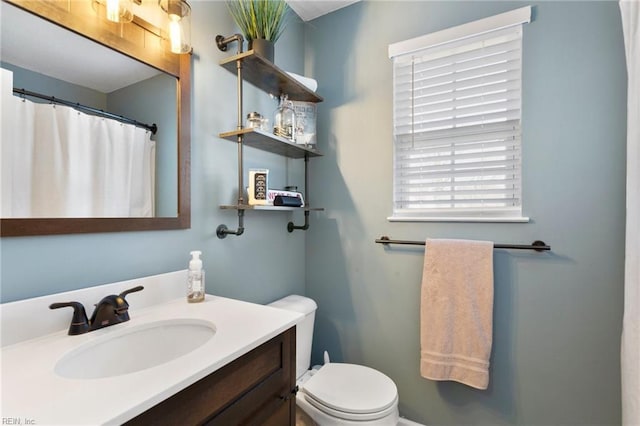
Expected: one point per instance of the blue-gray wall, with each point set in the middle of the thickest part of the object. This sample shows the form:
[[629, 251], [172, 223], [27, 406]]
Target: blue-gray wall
[[263, 264], [40, 83], [557, 316]]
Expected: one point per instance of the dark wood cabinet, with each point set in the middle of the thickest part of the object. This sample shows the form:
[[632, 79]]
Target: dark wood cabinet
[[255, 389]]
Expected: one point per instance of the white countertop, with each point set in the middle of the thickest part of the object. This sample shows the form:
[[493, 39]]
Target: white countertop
[[33, 392]]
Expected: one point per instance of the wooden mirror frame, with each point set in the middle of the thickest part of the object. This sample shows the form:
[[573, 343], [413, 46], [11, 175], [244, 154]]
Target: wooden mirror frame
[[145, 43]]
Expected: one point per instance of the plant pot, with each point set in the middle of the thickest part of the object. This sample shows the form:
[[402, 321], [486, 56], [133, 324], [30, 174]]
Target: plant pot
[[262, 47]]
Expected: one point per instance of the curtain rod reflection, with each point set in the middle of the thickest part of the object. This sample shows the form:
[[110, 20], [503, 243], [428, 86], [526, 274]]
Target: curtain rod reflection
[[153, 128]]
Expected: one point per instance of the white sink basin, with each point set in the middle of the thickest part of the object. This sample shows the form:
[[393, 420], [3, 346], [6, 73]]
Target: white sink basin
[[135, 348]]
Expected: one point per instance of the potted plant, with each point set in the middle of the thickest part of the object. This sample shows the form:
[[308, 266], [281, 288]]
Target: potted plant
[[261, 22]]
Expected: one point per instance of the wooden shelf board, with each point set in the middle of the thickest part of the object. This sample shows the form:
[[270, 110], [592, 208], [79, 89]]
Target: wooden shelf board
[[266, 141], [266, 76], [268, 208]]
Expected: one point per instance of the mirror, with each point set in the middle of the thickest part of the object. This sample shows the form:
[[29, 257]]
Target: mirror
[[144, 60]]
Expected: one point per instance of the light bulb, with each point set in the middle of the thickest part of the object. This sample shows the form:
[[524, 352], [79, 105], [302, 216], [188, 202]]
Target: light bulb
[[179, 14], [117, 10], [113, 10], [175, 33]]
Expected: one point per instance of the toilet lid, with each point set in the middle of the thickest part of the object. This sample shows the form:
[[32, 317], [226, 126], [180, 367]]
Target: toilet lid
[[351, 388]]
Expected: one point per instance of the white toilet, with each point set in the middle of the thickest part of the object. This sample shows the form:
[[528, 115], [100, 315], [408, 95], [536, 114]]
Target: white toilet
[[337, 393]]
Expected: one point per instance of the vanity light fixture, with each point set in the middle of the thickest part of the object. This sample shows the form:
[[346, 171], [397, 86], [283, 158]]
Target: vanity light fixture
[[179, 13], [172, 16], [119, 11]]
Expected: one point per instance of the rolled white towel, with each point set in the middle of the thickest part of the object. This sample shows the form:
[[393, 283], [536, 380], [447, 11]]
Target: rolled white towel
[[308, 82]]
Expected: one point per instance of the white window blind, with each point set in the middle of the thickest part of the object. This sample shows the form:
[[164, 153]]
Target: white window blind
[[457, 124]]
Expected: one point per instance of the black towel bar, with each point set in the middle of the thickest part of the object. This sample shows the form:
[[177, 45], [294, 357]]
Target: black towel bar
[[536, 245]]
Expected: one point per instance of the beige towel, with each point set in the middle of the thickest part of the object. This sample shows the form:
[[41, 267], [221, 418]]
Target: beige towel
[[456, 313]]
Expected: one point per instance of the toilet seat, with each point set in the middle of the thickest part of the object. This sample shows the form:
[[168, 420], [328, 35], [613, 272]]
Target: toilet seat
[[351, 392]]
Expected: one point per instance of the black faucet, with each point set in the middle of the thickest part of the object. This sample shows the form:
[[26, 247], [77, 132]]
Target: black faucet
[[112, 309]]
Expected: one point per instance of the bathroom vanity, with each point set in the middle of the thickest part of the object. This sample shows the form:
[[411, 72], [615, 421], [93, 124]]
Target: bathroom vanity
[[222, 361], [256, 388]]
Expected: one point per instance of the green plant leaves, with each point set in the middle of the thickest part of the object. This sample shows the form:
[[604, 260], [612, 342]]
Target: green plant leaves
[[259, 18]]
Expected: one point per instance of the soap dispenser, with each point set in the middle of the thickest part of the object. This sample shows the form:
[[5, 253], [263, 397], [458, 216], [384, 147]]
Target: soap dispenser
[[195, 280]]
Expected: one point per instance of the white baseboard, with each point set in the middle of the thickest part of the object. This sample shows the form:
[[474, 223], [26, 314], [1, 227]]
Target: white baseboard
[[407, 422]]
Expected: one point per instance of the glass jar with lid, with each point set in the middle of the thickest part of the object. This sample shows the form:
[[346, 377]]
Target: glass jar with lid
[[254, 120], [284, 123]]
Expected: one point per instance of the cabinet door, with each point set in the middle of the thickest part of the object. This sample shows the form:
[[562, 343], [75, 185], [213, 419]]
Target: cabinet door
[[254, 389]]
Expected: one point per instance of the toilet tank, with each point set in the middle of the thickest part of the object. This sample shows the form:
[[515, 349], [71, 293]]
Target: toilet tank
[[304, 329]]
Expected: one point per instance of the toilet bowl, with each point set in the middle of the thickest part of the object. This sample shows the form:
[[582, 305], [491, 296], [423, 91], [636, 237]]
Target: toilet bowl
[[337, 393]]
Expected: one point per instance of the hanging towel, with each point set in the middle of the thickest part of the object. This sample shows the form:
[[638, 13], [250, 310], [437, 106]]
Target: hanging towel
[[456, 312]]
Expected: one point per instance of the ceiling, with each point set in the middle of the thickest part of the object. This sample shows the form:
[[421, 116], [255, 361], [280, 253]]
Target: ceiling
[[311, 9], [38, 45]]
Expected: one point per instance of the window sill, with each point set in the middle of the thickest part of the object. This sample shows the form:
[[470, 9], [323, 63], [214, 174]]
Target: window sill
[[458, 219]]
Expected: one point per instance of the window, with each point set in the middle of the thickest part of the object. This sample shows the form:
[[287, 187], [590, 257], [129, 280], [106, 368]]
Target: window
[[457, 136]]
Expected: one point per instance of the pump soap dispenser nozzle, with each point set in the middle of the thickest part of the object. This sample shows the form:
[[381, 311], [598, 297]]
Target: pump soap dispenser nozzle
[[195, 280]]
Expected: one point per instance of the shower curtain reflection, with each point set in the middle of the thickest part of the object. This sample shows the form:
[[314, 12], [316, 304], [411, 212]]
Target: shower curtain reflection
[[630, 348], [59, 162]]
